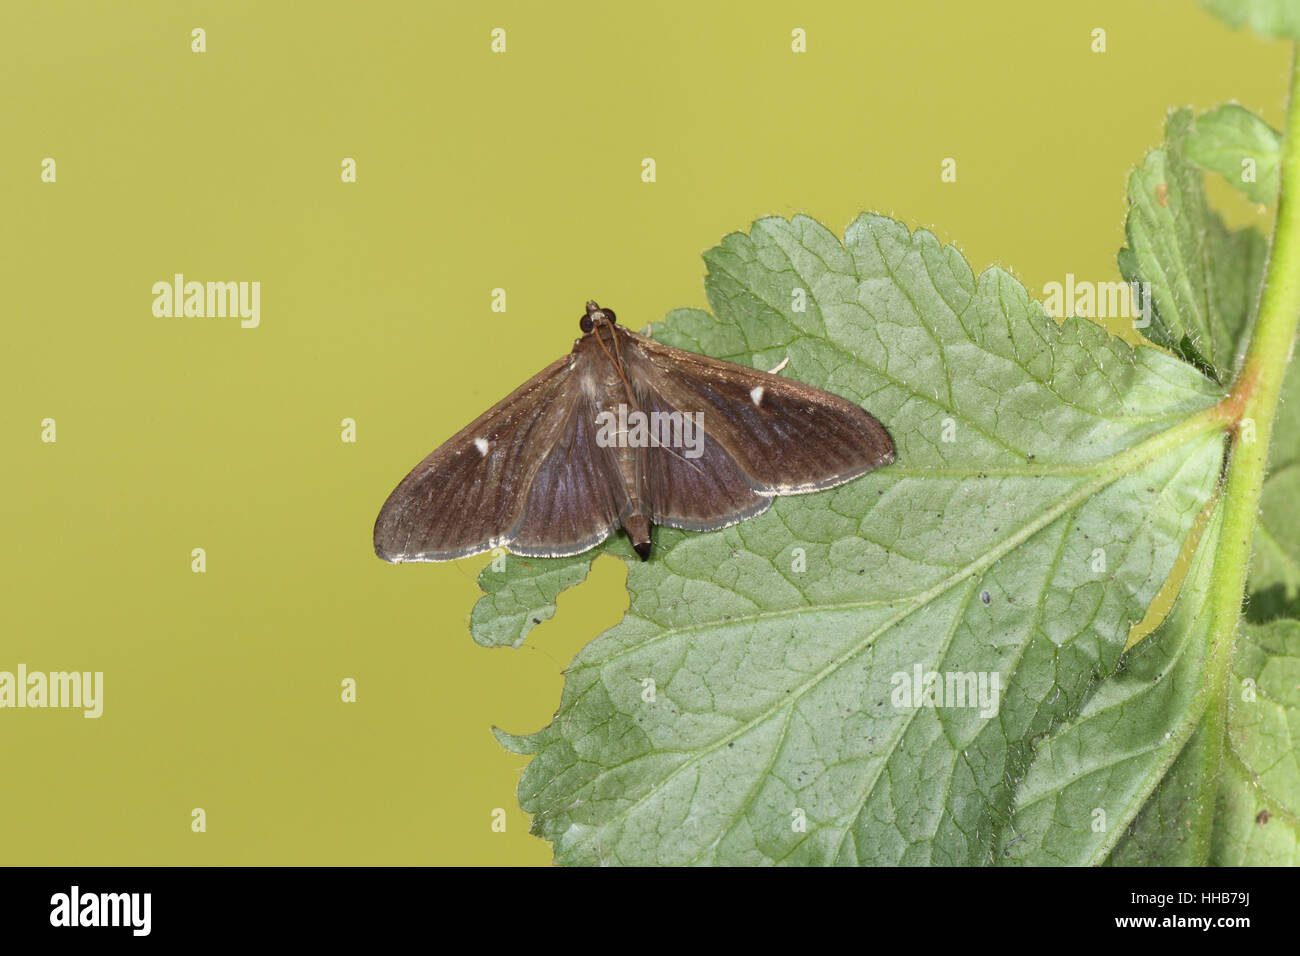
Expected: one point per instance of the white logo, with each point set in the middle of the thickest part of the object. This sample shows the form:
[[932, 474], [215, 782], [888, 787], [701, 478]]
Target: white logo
[[102, 909], [208, 300], [84, 689]]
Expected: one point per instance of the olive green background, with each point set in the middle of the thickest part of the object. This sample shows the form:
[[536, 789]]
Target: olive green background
[[475, 171]]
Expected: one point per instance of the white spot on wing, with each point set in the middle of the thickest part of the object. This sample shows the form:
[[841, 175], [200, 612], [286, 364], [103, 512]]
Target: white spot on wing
[[482, 445], [756, 393]]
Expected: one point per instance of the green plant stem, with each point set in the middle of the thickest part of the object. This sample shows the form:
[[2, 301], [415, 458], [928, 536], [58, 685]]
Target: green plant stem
[[1250, 408], [1252, 403]]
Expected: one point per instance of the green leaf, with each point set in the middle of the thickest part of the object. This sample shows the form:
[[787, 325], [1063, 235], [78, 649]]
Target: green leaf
[[1153, 737], [1223, 139], [1275, 18], [1174, 827], [750, 706], [519, 593], [1259, 793], [1205, 283], [1235, 275], [1155, 732], [1090, 778], [1204, 279]]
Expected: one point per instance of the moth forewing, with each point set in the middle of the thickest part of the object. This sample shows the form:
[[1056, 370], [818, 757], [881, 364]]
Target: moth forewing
[[786, 436], [465, 497]]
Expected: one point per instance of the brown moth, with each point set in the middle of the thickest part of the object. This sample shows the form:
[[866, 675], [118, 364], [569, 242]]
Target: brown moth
[[624, 432]]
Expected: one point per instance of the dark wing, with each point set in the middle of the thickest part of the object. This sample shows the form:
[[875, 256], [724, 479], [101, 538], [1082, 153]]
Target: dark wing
[[526, 474], [576, 494], [775, 435], [697, 492]]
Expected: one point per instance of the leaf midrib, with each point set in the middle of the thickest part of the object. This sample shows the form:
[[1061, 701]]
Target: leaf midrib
[[1125, 462]]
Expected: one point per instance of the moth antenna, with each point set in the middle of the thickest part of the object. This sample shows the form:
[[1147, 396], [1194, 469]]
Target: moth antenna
[[618, 366], [784, 362], [669, 449], [618, 354]]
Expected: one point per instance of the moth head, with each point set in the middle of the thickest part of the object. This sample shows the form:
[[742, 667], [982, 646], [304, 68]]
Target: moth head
[[594, 316]]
